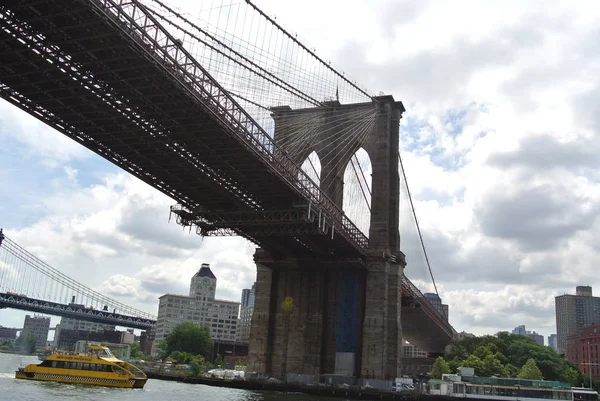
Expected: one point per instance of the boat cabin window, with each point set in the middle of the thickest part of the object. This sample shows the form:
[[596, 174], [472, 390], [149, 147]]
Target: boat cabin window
[[77, 365], [53, 364]]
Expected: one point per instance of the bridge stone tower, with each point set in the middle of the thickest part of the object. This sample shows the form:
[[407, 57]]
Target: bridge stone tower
[[316, 317]]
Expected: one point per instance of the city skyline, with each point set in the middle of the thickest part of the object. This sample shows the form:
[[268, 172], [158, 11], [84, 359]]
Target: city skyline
[[247, 298], [499, 155]]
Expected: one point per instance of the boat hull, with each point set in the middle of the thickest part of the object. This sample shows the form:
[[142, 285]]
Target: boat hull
[[76, 379]]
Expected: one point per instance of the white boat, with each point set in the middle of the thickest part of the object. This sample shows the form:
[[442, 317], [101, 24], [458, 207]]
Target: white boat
[[508, 389]]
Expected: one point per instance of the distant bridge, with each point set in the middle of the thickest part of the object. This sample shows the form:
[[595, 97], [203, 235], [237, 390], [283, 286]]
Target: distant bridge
[[27, 283]]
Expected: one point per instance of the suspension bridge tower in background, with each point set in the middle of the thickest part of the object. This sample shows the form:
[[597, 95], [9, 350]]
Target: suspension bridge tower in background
[[335, 315]]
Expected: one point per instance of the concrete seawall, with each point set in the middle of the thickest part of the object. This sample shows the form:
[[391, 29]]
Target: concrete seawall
[[347, 393]]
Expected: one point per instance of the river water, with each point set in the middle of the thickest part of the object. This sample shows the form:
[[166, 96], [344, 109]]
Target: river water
[[12, 389]]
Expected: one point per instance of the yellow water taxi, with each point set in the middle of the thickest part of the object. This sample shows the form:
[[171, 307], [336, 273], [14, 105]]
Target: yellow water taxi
[[97, 367]]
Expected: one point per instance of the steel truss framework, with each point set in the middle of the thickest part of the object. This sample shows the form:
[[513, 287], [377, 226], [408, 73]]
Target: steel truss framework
[[58, 309], [108, 75], [300, 221]]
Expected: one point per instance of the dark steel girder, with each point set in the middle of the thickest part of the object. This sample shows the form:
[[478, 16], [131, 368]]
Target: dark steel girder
[[300, 227], [78, 96], [111, 68], [76, 107]]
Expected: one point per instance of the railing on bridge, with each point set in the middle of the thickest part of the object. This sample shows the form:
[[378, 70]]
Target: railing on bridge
[[434, 313]]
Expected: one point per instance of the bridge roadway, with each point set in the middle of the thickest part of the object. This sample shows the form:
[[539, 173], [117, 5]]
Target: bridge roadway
[[107, 75], [58, 309]]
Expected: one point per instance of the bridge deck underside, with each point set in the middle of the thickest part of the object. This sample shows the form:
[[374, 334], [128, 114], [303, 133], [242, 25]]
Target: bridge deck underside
[[420, 329], [107, 92]]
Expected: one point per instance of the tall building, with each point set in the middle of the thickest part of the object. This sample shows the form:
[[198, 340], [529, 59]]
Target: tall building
[[67, 323], [415, 360], [7, 333], [538, 338], [574, 312], [68, 338], [412, 351], [246, 311], [436, 301], [582, 350], [521, 331], [37, 327], [146, 341], [203, 284], [199, 307], [248, 295], [553, 342]]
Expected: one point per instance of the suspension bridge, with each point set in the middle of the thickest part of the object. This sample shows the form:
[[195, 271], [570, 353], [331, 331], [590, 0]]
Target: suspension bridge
[[28, 283], [251, 134]]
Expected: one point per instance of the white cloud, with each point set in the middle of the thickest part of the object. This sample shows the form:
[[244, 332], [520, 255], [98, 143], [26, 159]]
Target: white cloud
[[35, 137]]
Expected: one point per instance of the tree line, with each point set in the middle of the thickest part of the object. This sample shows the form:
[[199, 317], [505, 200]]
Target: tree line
[[188, 343], [21, 345], [507, 355]]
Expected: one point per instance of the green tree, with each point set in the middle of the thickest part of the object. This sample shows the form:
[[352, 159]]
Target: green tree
[[501, 358], [30, 345], [219, 360], [178, 356], [182, 357], [455, 363], [440, 367], [510, 370], [136, 351], [482, 352], [200, 359], [196, 368], [530, 371], [572, 376], [492, 366], [474, 362], [510, 349], [188, 337]]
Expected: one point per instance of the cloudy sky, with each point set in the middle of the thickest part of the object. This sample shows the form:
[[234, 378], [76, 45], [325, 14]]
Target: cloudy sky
[[499, 144]]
